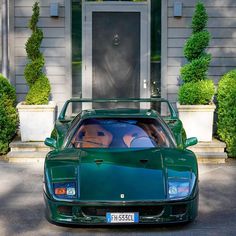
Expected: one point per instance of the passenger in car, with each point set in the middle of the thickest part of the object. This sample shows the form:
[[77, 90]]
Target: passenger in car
[[136, 132], [92, 136], [146, 130]]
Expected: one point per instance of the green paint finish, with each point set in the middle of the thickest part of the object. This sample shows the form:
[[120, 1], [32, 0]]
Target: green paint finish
[[124, 177], [121, 173], [77, 217]]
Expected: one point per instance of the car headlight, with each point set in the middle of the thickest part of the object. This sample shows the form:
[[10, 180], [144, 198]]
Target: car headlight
[[65, 190], [178, 188]]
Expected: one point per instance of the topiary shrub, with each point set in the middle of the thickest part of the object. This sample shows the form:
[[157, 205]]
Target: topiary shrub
[[196, 88], [199, 92], [226, 97], [8, 114], [34, 75], [200, 19], [196, 70], [196, 45], [39, 92]]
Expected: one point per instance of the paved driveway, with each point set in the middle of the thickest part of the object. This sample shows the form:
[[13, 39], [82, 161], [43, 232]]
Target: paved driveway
[[21, 205]]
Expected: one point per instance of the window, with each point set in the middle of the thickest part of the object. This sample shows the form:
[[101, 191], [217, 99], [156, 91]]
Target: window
[[76, 47], [156, 48], [120, 133]]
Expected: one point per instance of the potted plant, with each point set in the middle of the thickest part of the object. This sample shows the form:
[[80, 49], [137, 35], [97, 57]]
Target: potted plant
[[36, 113], [196, 108]]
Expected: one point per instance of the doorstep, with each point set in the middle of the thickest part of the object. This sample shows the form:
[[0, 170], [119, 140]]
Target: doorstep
[[27, 151], [210, 152], [207, 152]]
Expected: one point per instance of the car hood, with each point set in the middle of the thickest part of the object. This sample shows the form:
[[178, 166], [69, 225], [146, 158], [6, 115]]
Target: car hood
[[118, 175], [137, 175]]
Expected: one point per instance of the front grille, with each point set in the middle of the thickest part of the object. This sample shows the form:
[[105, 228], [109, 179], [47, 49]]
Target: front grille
[[65, 210], [179, 209], [143, 210]]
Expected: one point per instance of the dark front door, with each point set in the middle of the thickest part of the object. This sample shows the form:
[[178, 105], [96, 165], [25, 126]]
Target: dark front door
[[116, 54]]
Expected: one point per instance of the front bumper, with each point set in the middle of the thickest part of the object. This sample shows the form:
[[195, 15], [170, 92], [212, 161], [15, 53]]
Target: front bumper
[[74, 213]]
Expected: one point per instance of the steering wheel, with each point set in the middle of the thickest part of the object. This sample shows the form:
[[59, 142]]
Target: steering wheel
[[143, 142]]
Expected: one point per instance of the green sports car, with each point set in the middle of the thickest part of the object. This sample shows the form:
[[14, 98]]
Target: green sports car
[[120, 166]]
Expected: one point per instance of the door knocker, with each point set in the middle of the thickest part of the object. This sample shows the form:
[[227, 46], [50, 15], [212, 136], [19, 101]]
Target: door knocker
[[116, 40]]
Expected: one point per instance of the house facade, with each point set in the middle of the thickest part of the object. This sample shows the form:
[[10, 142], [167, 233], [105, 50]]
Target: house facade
[[116, 48]]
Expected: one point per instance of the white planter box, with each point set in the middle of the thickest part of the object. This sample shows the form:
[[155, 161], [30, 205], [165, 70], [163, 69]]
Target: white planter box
[[197, 120], [36, 121]]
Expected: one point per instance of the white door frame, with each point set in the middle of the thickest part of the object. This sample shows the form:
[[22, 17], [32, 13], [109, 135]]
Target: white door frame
[[145, 12]]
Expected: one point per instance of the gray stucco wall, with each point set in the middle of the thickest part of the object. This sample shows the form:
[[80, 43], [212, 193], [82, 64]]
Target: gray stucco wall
[[55, 47], [222, 25]]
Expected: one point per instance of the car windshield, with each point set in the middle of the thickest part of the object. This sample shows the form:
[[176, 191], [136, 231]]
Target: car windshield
[[120, 133]]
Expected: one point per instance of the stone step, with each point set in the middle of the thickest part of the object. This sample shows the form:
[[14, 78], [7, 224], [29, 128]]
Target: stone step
[[17, 146], [30, 149], [26, 156], [210, 152], [207, 152], [27, 151], [211, 157], [213, 146]]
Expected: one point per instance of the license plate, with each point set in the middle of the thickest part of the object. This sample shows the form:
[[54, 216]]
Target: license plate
[[122, 217]]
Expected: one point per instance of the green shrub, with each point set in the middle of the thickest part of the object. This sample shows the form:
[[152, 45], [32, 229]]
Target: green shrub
[[8, 114], [197, 93], [33, 70], [196, 44], [39, 92], [196, 89], [7, 90], [200, 18], [196, 70], [34, 75], [226, 97], [33, 44]]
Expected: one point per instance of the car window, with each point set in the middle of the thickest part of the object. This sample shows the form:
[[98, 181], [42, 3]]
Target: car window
[[120, 133], [72, 127]]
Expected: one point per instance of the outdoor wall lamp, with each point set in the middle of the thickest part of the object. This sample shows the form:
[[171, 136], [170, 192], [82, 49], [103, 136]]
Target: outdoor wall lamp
[[178, 9], [54, 9]]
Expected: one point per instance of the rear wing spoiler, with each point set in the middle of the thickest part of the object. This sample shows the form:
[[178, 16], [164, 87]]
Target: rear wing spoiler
[[173, 114]]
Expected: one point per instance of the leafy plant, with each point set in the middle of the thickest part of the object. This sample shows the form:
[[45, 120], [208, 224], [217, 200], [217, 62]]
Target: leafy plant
[[196, 88], [196, 44], [226, 97], [7, 90], [39, 92], [200, 18], [8, 114], [199, 92], [196, 70], [33, 72]]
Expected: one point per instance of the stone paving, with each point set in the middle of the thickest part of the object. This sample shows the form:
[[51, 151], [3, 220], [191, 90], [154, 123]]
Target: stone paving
[[22, 207]]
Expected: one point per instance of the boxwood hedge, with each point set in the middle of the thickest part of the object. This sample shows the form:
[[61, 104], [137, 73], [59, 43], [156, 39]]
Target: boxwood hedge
[[8, 114], [226, 97]]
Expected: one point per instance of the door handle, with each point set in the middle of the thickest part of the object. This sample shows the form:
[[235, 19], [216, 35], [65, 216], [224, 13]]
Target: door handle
[[98, 161], [144, 83], [144, 161]]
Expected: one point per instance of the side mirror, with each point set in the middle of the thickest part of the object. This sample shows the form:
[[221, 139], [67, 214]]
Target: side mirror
[[190, 142], [50, 142]]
